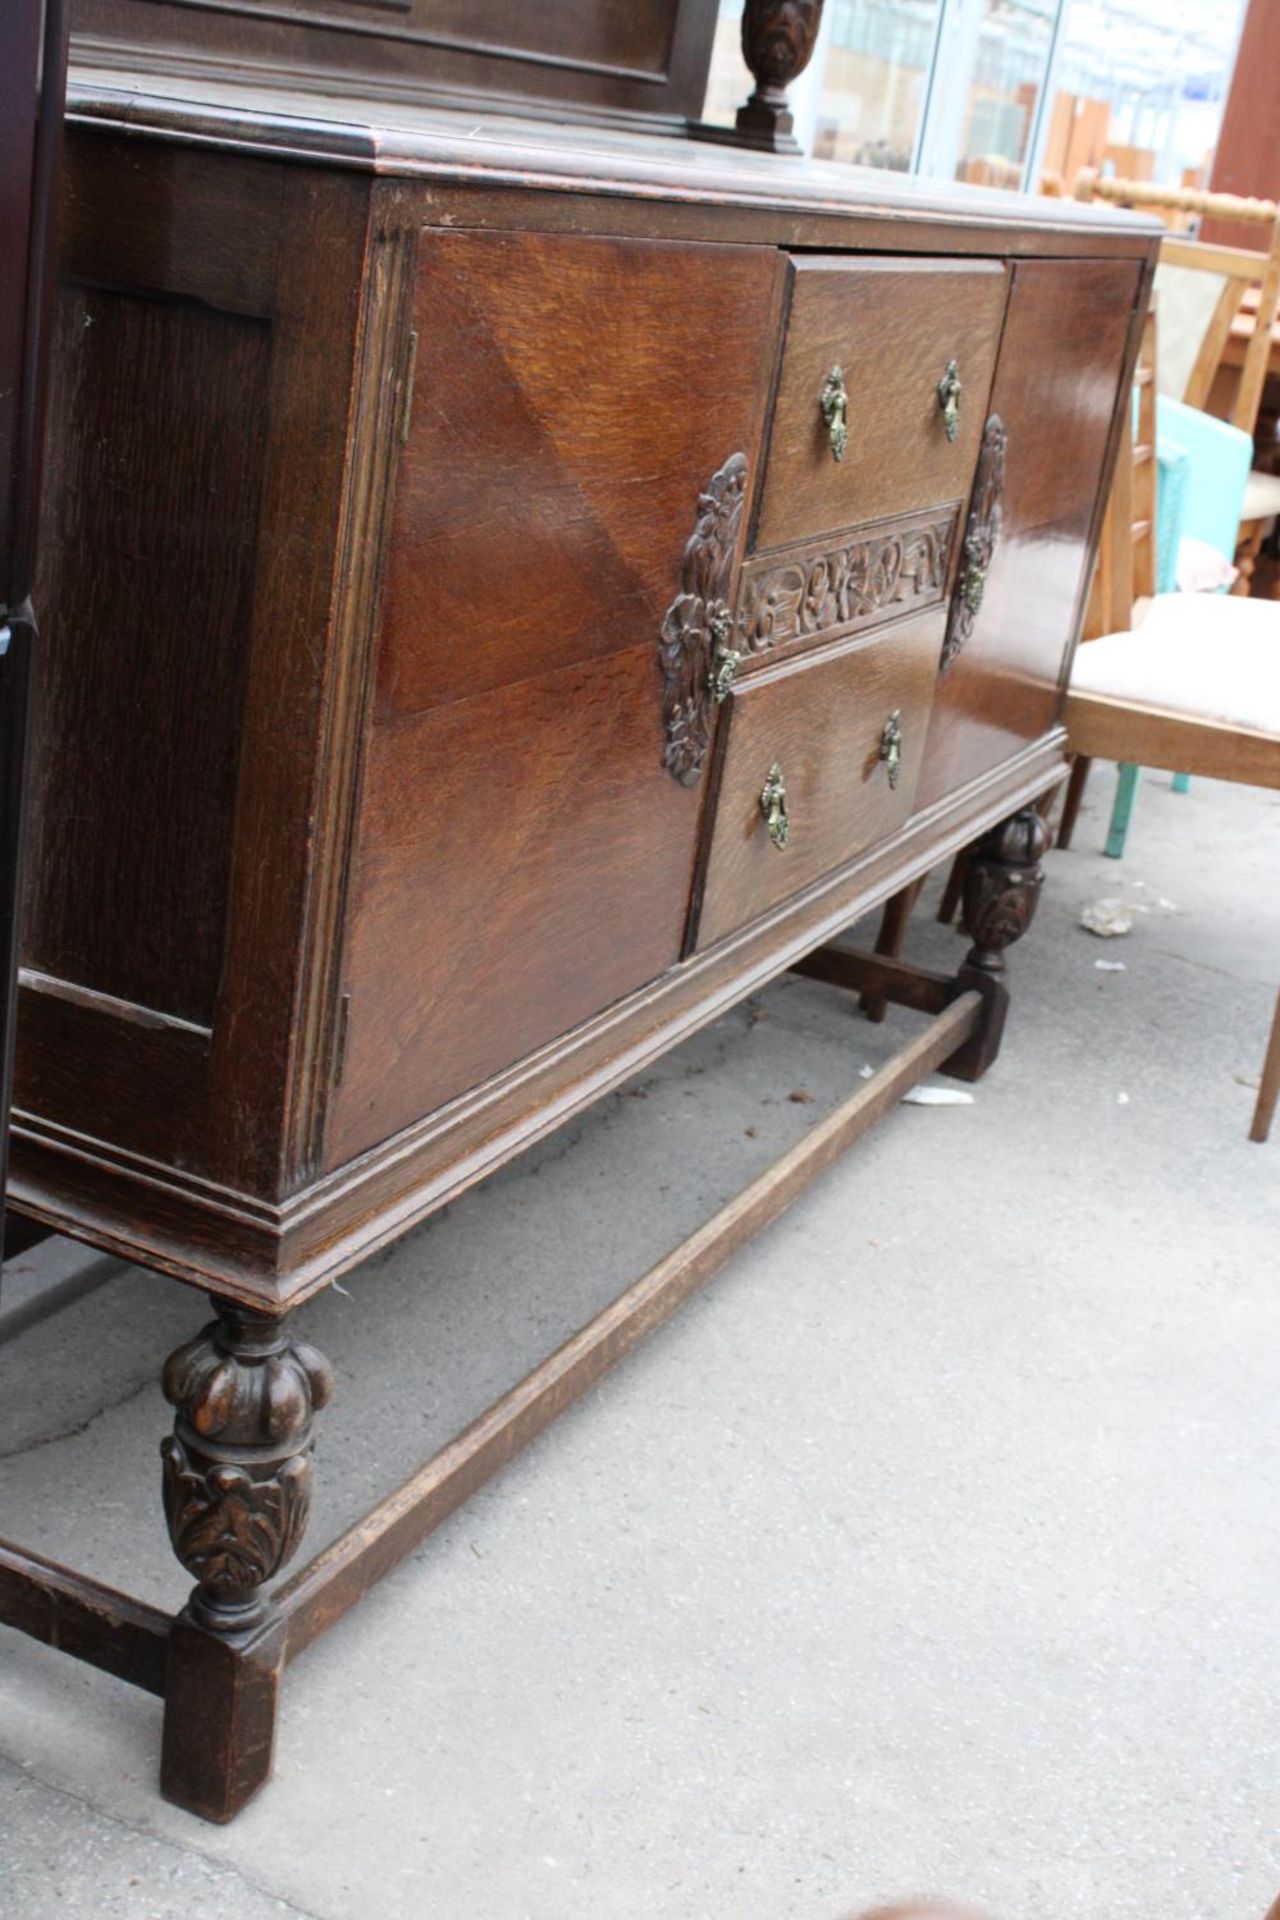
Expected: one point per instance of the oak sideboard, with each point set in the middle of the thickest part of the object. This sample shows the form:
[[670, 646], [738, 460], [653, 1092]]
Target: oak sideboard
[[511, 586]]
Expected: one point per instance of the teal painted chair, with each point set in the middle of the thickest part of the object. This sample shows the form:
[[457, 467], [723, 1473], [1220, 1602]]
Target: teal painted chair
[[1203, 470]]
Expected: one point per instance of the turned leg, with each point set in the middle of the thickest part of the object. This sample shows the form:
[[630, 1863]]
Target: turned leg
[[1001, 888], [237, 1492]]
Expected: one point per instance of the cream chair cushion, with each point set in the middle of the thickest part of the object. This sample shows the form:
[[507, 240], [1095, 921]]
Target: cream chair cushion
[[1202, 654], [1261, 496]]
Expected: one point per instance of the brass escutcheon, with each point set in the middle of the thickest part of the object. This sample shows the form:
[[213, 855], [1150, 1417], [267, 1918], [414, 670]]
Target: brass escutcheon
[[949, 390], [891, 746], [835, 412], [773, 805]]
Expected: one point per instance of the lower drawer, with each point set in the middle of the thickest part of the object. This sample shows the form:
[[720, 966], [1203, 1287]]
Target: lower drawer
[[817, 760]]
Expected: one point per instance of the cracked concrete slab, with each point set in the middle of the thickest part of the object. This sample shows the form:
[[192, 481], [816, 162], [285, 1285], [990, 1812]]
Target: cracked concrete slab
[[935, 1546]]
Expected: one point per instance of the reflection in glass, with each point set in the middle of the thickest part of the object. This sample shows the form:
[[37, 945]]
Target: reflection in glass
[[1014, 42], [875, 81]]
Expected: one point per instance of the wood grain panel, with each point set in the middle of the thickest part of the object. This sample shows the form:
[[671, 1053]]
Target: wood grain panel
[[154, 477], [572, 398], [1056, 390], [821, 722], [524, 861], [891, 326]]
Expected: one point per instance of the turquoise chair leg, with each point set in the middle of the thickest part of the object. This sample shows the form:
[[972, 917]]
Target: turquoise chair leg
[[1122, 811], [1182, 783]]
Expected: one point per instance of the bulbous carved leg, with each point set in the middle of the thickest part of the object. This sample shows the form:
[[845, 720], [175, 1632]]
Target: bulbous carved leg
[[237, 1494], [1001, 888]]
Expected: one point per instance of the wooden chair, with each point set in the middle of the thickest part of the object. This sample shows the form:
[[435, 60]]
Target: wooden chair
[[1186, 681], [1179, 681], [1202, 290]]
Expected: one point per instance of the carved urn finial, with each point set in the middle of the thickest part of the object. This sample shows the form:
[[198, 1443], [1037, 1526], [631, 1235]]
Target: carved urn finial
[[778, 38]]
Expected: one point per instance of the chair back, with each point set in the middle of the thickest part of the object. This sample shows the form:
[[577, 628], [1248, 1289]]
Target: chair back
[[1203, 288]]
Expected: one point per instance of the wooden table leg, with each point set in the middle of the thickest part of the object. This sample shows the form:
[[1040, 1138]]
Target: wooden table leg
[[237, 1493]]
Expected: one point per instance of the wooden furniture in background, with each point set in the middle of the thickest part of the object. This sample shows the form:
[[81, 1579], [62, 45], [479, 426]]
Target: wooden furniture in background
[[570, 577], [1246, 159], [1188, 682], [1213, 385]]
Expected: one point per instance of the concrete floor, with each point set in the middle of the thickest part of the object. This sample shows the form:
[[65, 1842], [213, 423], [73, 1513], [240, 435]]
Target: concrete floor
[[936, 1546]]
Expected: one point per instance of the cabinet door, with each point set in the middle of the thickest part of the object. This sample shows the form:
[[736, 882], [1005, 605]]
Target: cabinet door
[[525, 844], [1056, 389]]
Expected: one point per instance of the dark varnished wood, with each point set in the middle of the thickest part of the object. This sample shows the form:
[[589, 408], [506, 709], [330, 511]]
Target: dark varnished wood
[[891, 326], [1056, 391], [593, 57], [279, 1252], [503, 890], [483, 411], [554, 461], [221, 349], [820, 720], [80, 1616], [157, 422]]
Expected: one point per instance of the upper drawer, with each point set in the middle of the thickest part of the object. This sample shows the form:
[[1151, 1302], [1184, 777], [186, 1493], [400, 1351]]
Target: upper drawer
[[890, 329], [819, 758]]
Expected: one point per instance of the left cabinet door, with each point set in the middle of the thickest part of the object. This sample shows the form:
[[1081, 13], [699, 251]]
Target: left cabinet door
[[570, 507]]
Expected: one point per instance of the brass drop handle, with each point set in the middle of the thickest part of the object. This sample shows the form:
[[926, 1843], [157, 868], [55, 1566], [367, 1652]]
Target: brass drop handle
[[773, 805], [835, 412], [725, 661], [891, 747], [949, 390]]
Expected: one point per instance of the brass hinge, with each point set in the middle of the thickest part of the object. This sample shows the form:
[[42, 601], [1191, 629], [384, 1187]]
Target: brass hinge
[[406, 390], [340, 1038]]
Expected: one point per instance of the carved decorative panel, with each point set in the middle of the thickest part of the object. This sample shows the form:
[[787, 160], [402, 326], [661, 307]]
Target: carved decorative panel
[[826, 589], [981, 537], [699, 621]]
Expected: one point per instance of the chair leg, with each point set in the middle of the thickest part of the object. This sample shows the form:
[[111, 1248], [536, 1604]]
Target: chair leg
[[893, 931], [1269, 1088], [953, 892], [1075, 794], [1127, 777]]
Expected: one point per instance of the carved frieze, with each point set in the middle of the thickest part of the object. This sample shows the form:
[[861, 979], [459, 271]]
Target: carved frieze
[[831, 587], [981, 537], [699, 621]]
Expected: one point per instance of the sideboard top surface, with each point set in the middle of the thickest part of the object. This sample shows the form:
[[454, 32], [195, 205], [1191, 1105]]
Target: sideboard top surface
[[491, 149]]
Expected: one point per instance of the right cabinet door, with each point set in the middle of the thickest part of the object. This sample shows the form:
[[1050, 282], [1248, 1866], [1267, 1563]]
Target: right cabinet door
[[1062, 357]]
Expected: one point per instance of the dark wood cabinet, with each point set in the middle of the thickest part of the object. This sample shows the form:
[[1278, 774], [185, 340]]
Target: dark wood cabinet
[[508, 594]]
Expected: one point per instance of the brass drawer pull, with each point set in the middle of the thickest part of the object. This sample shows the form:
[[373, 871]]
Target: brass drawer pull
[[773, 805], [725, 661], [835, 412], [949, 391], [891, 747]]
